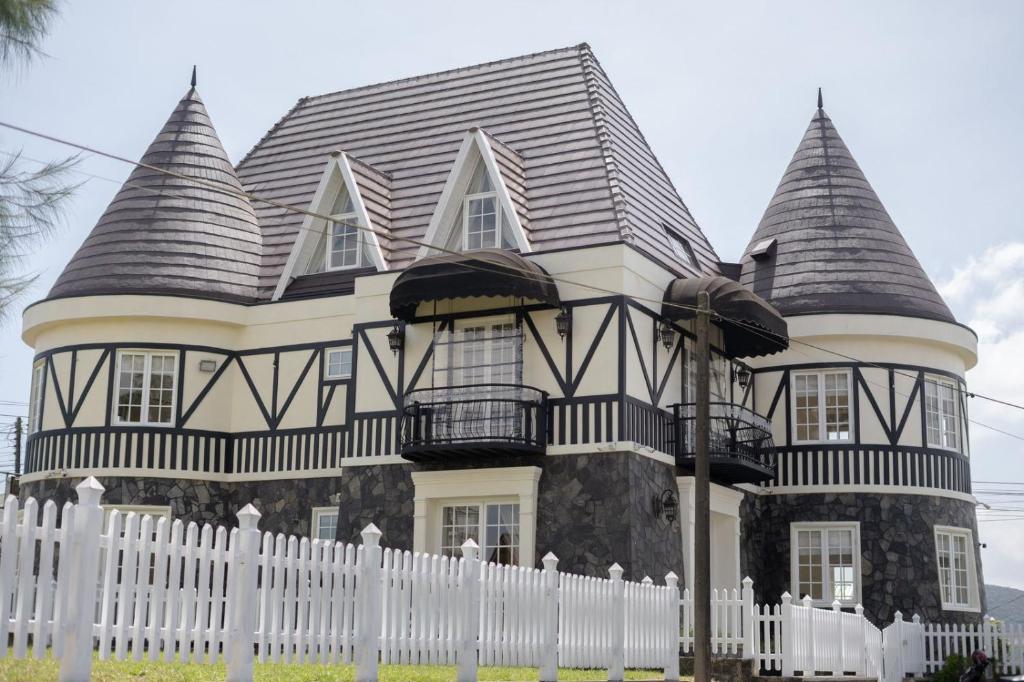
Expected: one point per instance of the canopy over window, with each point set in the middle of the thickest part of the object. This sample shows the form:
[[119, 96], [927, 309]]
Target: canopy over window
[[750, 325], [487, 272]]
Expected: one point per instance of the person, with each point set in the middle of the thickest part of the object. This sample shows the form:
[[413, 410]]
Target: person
[[976, 671]]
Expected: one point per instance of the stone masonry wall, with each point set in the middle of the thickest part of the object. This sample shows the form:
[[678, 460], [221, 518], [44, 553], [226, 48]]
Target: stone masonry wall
[[899, 569]]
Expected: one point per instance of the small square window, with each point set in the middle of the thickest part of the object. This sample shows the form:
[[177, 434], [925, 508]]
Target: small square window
[[338, 363], [325, 523], [681, 247]]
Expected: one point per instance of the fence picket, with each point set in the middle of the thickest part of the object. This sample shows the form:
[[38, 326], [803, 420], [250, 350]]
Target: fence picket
[[45, 584]]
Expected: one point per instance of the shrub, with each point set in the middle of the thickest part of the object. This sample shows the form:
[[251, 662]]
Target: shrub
[[951, 669]]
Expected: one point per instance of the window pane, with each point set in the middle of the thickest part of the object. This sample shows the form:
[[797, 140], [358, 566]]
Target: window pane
[[35, 401], [130, 382], [806, 407], [837, 406], [458, 524], [327, 526], [809, 563], [840, 562], [481, 222], [502, 534], [339, 363], [161, 389], [344, 245]]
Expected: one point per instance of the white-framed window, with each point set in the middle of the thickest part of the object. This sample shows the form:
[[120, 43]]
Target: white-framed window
[[481, 213], [495, 522], [825, 562], [344, 248], [325, 523], [338, 363], [821, 406], [942, 412], [958, 579], [681, 247], [145, 387], [35, 400]]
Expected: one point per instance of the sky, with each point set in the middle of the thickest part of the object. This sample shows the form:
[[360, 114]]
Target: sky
[[928, 96]]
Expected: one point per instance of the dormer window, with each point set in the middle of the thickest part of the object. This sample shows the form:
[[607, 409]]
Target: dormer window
[[481, 214], [681, 247], [345, 237]]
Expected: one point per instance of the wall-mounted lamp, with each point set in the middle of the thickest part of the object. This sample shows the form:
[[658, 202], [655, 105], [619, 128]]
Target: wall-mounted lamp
[[666, 505], [563, 322], [667, 334], [742, 375], [396, 337]]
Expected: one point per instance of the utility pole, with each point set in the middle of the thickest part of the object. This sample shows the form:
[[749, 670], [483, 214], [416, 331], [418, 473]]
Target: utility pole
[[702, 499], [17, 446]]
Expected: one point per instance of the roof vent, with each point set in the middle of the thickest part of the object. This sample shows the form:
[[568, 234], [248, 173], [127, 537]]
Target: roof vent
[[763, 249]]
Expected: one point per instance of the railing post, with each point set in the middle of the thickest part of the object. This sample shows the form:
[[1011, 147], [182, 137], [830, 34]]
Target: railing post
[[617, 658], [787, 635], [672, 664], [862, 653], [467, 655], [368, 607], [837, 610], [84, 559], [918, 658], [901, 669], [812, 647], [241, 607], [747, 617], [549, 643]]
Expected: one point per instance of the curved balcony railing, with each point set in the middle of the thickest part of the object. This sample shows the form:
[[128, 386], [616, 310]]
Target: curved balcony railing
[[740, 446], [477, 419]]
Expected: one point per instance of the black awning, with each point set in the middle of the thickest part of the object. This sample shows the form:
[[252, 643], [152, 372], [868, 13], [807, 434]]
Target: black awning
[[488, 272], [761, 329]]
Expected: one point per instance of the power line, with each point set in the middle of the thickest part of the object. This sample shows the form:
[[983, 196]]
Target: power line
[[217, 187]]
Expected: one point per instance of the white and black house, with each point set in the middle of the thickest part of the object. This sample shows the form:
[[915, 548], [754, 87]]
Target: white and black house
[[457, 305]]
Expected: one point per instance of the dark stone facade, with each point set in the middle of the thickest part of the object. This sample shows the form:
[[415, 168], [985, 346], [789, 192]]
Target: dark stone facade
[[286, 505], [593, 510], [597, 509], [899, 570]]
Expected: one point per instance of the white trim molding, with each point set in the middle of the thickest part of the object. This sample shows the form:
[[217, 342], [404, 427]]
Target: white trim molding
[[726, 503], [475, 146], [435, 489], [973, 604], [337, 175], [826, 577]]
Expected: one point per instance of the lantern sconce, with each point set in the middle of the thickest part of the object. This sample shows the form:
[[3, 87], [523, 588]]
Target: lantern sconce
[[396, 337], [563, 322], [666, 505], [668, 336], [742, 374]]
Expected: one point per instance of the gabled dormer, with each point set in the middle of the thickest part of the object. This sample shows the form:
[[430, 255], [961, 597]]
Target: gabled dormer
[[483, 203], [339, 234]]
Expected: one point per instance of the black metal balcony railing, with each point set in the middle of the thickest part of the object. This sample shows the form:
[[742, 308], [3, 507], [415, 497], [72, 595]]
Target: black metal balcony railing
[[478, 419], [740, 447]]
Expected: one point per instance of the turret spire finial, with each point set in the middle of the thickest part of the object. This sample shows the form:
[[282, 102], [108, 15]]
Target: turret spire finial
[[194, 77], [819, 97]]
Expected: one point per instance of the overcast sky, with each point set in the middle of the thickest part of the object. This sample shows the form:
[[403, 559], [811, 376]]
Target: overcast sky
[[927, 95]]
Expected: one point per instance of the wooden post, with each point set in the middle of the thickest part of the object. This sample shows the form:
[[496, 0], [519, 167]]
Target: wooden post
[[617, 660], [76, 659], [747, 617], [368, 607], [702, 498], [672, 664], [243, 579], [549, 643], [467, 654]]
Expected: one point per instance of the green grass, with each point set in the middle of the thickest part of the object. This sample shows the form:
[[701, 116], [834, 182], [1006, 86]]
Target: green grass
[[31, 670]]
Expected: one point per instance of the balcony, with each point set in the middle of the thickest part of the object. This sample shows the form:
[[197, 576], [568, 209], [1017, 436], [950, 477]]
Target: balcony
[[740, 446], [478, 420]]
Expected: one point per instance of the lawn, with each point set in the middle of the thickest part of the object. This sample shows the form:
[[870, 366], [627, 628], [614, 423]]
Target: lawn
[[31, 670]]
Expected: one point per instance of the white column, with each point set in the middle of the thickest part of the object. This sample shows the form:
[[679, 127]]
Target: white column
[[241, 606], [368, 607], [76, 661], [617, 660], [686, 521], [467, 654], [549, 643]]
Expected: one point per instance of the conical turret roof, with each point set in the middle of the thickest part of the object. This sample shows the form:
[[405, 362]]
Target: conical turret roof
[[836, 249], [169, 235]]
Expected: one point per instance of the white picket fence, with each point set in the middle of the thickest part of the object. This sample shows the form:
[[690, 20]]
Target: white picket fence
[[144, 588]]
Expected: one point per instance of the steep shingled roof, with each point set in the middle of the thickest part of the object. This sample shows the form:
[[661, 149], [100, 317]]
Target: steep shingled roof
[[589, 175], [837, 250], [166, 235]]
